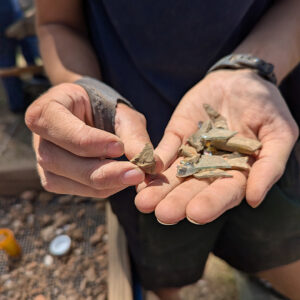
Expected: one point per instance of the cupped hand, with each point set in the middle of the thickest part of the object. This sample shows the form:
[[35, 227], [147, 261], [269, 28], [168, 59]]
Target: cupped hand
[[73, 157], [254, 108]]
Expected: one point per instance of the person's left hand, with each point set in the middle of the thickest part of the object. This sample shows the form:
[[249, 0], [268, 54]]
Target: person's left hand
[[254, 108]]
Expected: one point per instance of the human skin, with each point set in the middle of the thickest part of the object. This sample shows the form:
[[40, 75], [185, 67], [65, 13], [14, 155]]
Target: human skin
[[61, 23]]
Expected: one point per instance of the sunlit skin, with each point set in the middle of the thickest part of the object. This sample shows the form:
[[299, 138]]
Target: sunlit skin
[[256, 111], [73, 156]]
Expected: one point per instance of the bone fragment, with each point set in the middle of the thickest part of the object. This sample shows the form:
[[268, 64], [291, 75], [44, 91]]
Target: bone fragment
[[195, 140], [187, 151], [216, 134], [145, 159], [218, 120], [238, 144], [211, 173]]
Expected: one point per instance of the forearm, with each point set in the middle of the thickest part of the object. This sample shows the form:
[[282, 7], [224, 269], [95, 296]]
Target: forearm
[[276, 38], [66, 54], [65, 49]]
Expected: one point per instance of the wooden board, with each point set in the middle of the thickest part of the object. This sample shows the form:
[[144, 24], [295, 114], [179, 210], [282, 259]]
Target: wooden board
[[119, 275]]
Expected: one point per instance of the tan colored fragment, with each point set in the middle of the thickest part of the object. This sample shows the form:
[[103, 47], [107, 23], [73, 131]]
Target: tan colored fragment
[[230, 155], [218, 120], [212, 162], [195, 140], [187, 151], [239, 163], [191, 160], [218, 134], [145, 159], [238, 144], [211, 173]]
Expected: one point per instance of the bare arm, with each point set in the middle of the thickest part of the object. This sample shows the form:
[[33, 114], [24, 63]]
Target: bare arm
[[276, 38], [73, 156], [65, 49]]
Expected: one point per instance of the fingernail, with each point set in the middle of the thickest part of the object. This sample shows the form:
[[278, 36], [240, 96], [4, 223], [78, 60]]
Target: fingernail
[[192, 221], [133, 177], [115, 149], [166, 224]]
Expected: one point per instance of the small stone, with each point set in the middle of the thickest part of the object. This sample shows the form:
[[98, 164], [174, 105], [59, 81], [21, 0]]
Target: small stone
[[59, 231], [82, 285], [97, 236], [78, 251], [80, 213], [31, 265], [66, 199], [30, 220], [77, 234], [48, 233], [48, 260], [27, 209], [61, 219], [28, 195], [90, 274], [45, 220], [45, 197]]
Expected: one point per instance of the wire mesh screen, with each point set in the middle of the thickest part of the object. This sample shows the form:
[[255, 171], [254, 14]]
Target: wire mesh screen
[[36, 219]]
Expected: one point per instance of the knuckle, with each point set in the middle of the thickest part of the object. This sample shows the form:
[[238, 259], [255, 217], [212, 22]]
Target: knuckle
[[82, 142], [99, 178], [48, 183], [32, 116], [142, 118], [44, 156]]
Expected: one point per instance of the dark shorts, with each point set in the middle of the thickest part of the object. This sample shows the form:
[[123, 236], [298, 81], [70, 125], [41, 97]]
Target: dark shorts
[[248, 239]]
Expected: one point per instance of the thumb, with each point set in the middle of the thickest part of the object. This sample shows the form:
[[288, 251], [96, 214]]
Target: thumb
[[130, 127]]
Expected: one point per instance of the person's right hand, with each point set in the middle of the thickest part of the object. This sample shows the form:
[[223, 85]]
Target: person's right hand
[[72, 155]]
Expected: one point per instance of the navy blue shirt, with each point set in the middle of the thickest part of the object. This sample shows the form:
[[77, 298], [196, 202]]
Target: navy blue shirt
[[152, 52]]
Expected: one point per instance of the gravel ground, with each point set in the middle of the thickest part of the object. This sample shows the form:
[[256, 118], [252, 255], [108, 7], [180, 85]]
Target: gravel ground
[[36, 219]]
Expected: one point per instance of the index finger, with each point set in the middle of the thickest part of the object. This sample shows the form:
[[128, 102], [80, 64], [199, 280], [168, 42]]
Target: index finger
[[57, 124]]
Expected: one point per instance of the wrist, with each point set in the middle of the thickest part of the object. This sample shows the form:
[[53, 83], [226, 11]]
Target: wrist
[[246, 61], [103, 100]]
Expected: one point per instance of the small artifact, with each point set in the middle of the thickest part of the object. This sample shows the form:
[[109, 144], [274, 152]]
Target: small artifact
[[238, 144], [145, 159], [60, 245], [217, 120], [187, 151], [191, 160], [195, 140], [239, 163], [186, 170], [9, 244], [211, 173], [212, 161], [213, 149], [217, 134]]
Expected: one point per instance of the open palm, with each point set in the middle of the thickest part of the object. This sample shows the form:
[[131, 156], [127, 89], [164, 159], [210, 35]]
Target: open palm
[[254, 108]]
